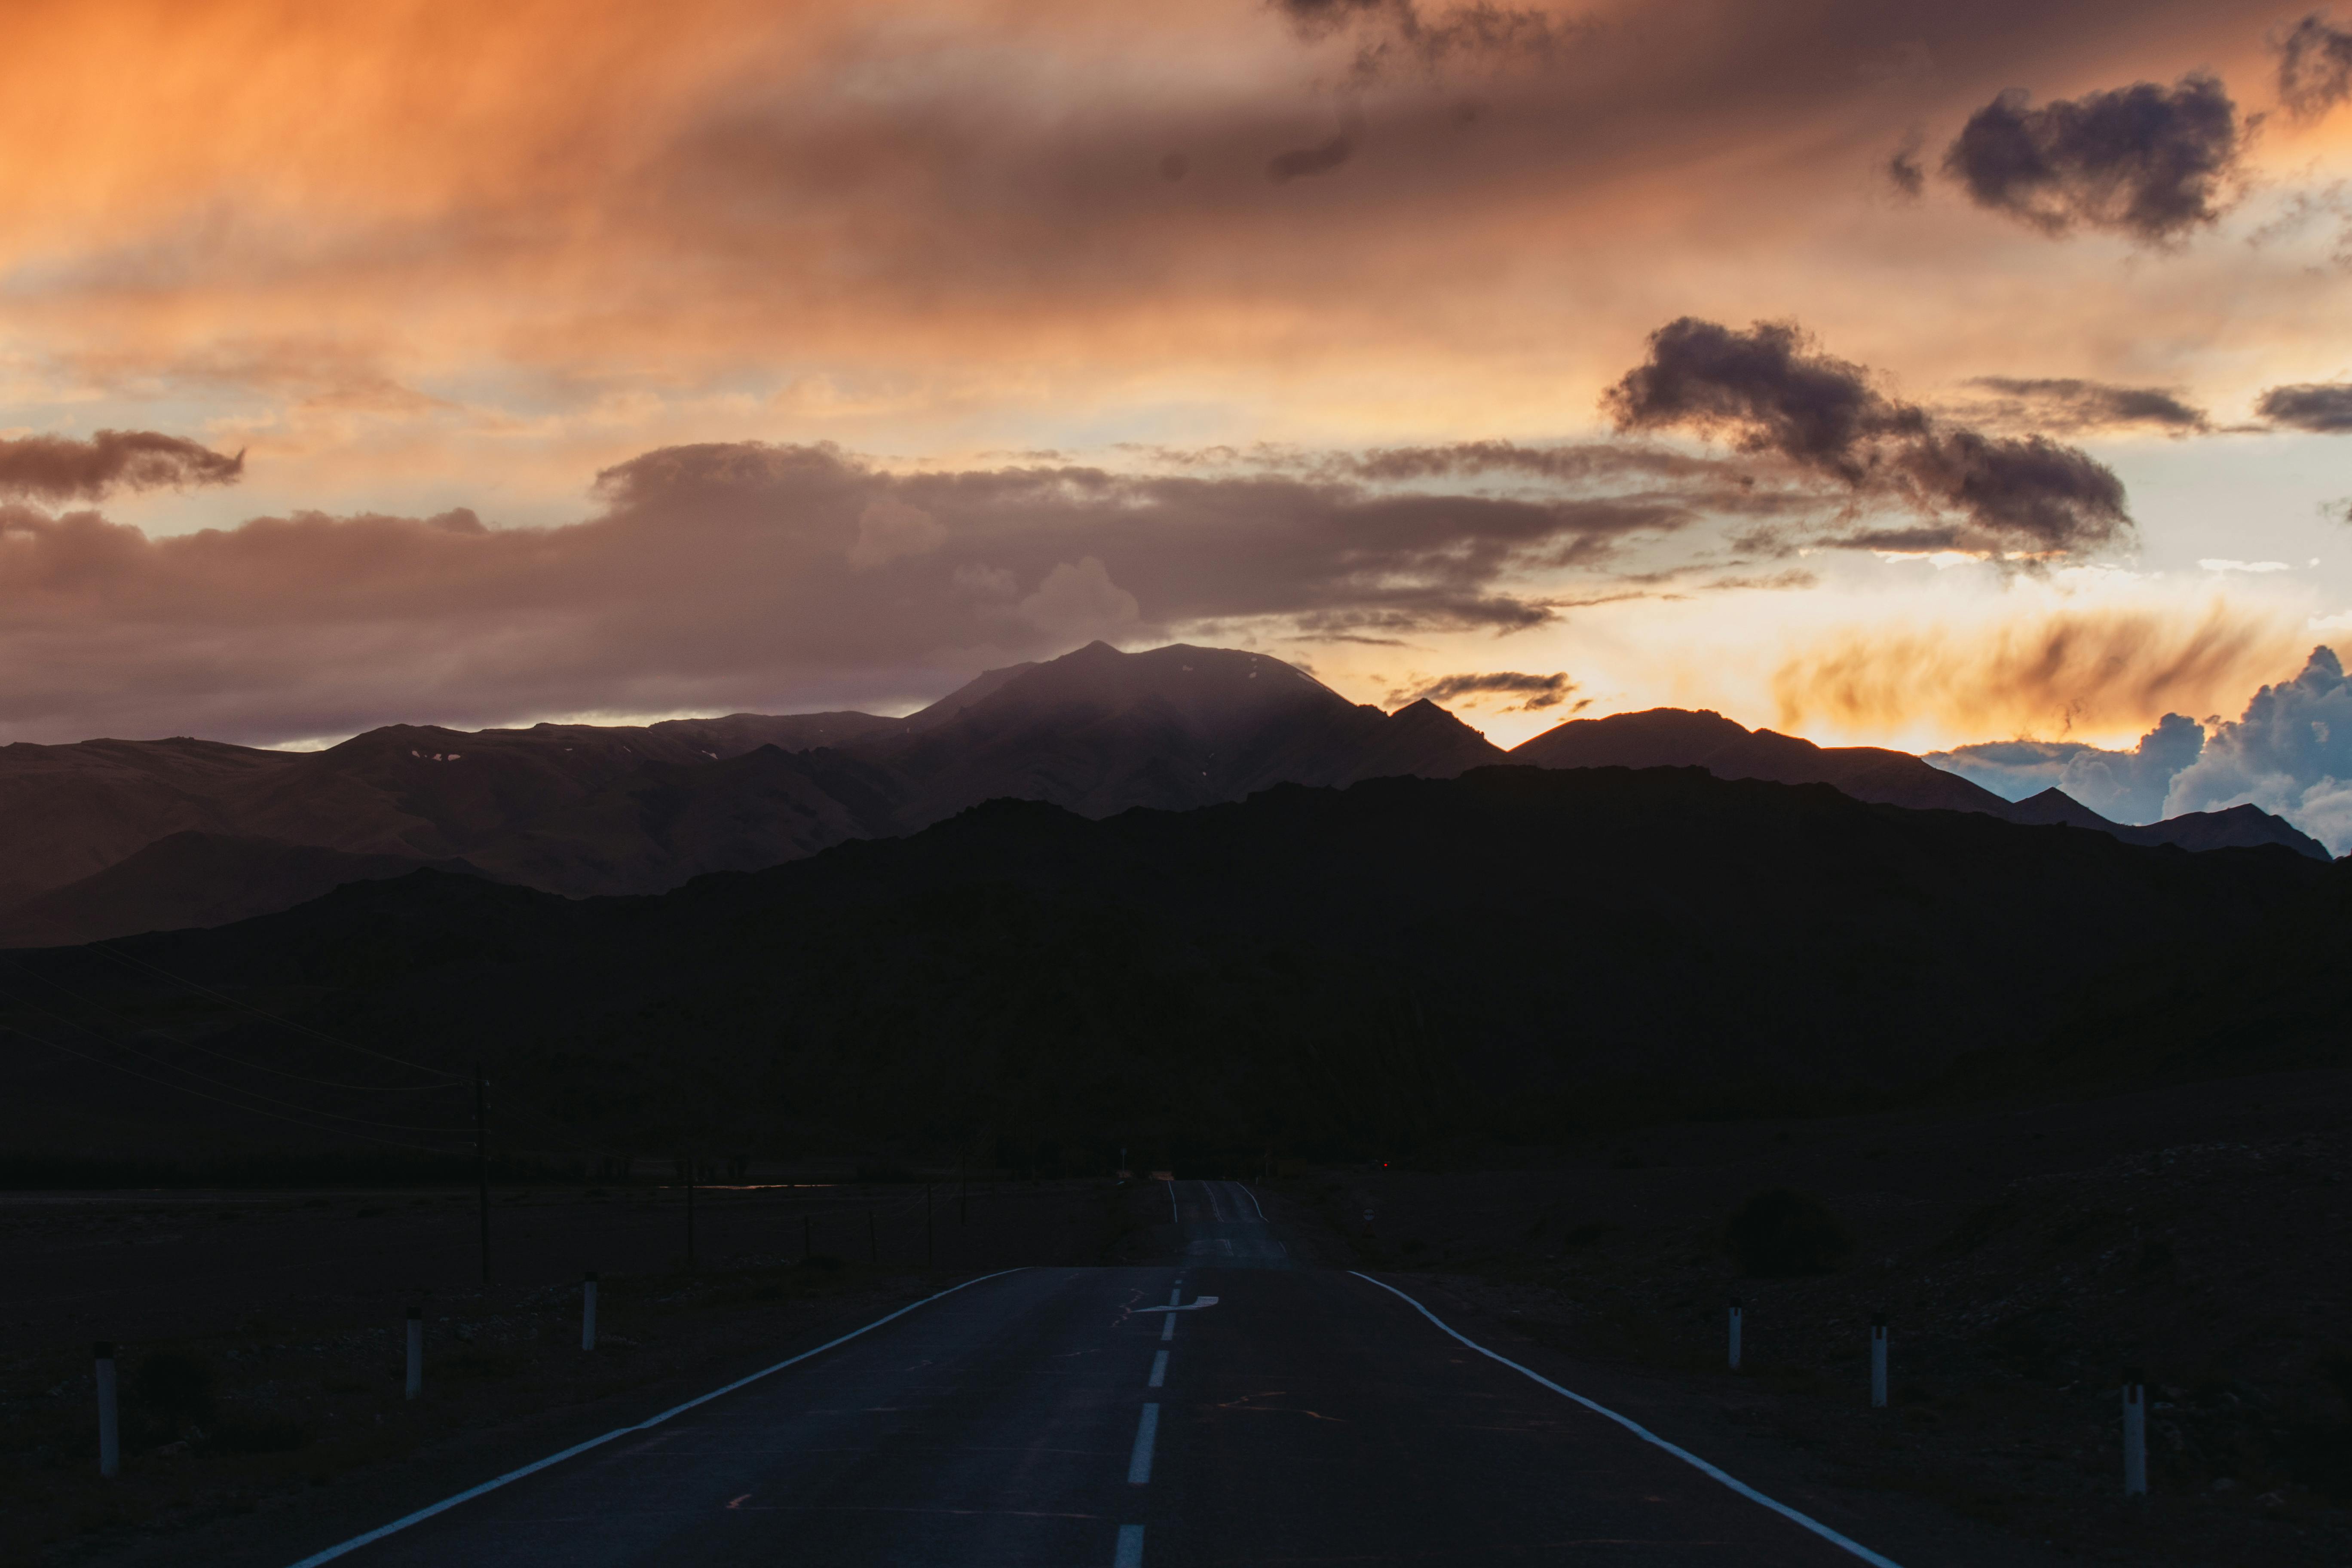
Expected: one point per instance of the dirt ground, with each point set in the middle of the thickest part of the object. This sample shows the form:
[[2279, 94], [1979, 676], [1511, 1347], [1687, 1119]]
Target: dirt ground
[[278, 1321], [2023, 1258]]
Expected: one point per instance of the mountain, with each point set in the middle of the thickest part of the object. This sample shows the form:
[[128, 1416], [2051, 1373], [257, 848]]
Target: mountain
[[1674, 737], [1101, 732], [1509, 953], [583, 809]]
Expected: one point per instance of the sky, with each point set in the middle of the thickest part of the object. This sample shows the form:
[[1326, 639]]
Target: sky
[[1888, 372]]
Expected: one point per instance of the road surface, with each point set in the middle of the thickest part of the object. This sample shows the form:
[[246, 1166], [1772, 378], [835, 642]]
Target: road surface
[[1068, 1417]]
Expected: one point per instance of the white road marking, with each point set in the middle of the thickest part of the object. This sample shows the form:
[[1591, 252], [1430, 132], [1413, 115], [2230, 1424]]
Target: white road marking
[[1159, 1372], [1130, 1547], [1253, 1202], [1147, 1433], [1173, 1297], [1173, 1212], [1168, 1328], [1643, 1433], [1194, 1305], [446, 1504]]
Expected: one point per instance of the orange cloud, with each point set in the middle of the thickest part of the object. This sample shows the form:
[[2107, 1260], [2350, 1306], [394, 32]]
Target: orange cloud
[[2110, 671]]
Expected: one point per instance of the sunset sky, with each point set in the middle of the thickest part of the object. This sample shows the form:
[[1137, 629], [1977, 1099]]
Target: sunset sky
[[627, 360]]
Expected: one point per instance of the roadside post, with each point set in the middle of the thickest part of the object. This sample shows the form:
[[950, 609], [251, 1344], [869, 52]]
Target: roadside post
[[415, 1351], [109, 1430], [1878, 1362], [1735, 1333], [2134, 1434], [588, 1311]]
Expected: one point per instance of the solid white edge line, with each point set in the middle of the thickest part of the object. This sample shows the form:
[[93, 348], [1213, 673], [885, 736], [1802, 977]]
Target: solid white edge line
[[1253, 1202], [446, 1504], [1147, 1436], [1175, 1214], [1643, 1433], [1130, 1547]]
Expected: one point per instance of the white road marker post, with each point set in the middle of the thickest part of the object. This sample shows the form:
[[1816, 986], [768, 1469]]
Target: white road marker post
[[1735, 1333], [109, 1430], [2134, 1434], [415, 1351], [588, 1311], [1878, 1362]]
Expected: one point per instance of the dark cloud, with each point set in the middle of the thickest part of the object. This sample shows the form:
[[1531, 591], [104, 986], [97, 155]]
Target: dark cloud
[[1770, 390], [2315, 70], [2067, 405], [61, 468], [731, 576], [1396, 31], [1902, 168], [2146, 161], [2324, 408], [1535, 691], [1300, 162]]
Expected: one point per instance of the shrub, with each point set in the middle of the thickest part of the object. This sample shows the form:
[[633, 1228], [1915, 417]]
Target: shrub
[[1782, 1232]]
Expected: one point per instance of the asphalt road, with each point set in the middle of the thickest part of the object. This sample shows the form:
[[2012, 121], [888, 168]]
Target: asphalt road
[[1065, 1417]]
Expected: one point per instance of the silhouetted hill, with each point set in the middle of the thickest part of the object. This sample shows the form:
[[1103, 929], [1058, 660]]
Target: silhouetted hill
[[1506, 953], [196, 879], [2239, 827], [1674, 737]]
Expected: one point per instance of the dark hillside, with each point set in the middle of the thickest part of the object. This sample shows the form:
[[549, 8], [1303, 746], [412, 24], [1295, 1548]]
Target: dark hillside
[[1512, 954]]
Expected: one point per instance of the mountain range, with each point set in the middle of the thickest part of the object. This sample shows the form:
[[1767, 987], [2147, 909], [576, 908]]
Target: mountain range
[[108, 837]]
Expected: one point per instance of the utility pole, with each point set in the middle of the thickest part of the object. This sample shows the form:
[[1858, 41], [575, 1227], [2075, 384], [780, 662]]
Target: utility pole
[[482, 1160]]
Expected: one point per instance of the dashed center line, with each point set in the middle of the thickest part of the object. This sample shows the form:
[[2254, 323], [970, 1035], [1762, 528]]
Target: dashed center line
[[1147, 1434], [1130, 1547], [1159, 1369]]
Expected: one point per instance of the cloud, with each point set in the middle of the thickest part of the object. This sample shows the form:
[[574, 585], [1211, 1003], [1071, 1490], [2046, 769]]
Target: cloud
[[2315, 72], [2146, 161], [2290, 753], [741, 575], [1394, 30], [2055, 672], [1301, 162], [2122, 787], [1535, 692], [61, 468], [2067, 405], [1770, 390], [888, 529], [1903, 169], [2324, 408], [1078, 603]]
